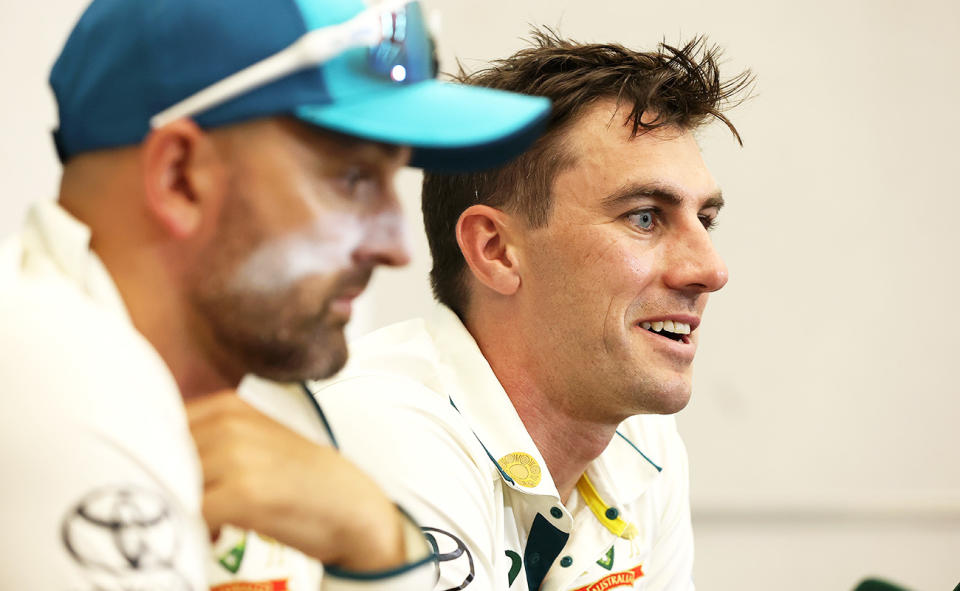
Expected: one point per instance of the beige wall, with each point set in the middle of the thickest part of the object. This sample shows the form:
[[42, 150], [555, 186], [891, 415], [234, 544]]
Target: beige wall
[[823, 431]]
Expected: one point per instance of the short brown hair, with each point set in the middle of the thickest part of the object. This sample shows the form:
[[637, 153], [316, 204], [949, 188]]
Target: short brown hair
[[681, 87]]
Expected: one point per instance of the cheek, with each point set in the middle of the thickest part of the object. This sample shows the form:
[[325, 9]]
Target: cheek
[[324, 248], [624, 270], [625, 277]]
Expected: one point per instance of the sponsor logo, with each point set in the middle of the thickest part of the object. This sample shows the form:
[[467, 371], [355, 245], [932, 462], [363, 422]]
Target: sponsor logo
[[456, 562], [622, 579], [124, 536], [278, 585]]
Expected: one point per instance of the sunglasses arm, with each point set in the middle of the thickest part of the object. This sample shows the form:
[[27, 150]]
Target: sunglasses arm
[[313, 48]]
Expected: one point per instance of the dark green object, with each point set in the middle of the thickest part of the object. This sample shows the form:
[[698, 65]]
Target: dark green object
[[515, 565], [878, 585], [607, 561], [232, 558]]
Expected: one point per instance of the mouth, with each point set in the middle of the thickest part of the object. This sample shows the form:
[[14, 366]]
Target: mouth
[[674, 330], [342, 304]]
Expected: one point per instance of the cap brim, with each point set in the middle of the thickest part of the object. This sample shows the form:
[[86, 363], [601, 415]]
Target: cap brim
[[451, 127]]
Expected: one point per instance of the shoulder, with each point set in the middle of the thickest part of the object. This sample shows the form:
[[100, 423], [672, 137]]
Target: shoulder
[[78, 375], [405, 349], [390, 412], [392, 371], [57, 336]]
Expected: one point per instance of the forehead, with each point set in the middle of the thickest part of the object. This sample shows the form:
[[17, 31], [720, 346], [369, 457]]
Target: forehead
[[285, 140], [336, 144], [605, 158]]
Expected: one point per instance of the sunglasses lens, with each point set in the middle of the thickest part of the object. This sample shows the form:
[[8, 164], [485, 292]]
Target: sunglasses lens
[[407, 53]]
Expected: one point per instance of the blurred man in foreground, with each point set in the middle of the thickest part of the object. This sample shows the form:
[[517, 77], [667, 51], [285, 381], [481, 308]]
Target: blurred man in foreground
[[227, 191], [527, 424]]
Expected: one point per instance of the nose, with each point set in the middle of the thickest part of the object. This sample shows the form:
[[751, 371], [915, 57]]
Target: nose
[[384, 241], [693, 264]]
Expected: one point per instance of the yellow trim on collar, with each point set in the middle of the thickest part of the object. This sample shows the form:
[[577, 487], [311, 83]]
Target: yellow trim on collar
[[591, 497]]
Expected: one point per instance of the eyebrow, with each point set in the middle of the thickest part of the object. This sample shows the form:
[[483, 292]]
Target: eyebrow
[[356, 145], [659, 192]]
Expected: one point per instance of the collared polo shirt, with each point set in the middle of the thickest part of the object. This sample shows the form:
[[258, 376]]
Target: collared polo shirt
[[419, 408], [102, 483]]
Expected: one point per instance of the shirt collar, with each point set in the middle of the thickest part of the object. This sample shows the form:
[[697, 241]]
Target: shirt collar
[[51, 232], [620, 474], [477, 394]]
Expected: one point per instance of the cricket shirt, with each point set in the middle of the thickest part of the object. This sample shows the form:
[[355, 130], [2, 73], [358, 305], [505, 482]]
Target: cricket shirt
[[419, 408]]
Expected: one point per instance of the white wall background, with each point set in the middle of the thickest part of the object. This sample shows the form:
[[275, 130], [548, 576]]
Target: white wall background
[[823, 433]]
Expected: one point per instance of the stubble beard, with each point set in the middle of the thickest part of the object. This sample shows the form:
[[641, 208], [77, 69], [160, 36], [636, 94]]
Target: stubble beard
[[274, 335], [279, 332]]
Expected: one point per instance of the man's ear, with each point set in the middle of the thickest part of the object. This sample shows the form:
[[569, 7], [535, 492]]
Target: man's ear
[[484, 239], [183, 175]]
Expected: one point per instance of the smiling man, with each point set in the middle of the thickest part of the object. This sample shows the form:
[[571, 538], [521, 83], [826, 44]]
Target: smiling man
[[527, 423], [227, 190]]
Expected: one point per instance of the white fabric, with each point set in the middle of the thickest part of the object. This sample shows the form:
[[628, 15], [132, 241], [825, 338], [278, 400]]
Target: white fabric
[[419, 408], [95, 430], [102, 485]]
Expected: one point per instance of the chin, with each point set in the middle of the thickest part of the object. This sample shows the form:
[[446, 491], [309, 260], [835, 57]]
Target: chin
[[314, 356], [667, 399], [295, 369], [674, 404]]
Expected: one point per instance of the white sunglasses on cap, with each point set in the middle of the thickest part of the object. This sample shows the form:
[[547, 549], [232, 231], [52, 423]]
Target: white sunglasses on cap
[[386, 28]]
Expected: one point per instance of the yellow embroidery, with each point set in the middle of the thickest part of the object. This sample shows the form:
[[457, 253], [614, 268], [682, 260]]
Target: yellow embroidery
[[524, 470]]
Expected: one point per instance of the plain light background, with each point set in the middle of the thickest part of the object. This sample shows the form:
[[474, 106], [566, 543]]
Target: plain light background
[[823, 431]]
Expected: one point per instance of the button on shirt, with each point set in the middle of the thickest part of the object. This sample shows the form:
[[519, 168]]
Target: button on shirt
[[102, 483], [420, 409]]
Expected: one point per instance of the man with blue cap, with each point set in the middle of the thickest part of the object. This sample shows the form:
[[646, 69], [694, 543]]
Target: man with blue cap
[[227, 191]]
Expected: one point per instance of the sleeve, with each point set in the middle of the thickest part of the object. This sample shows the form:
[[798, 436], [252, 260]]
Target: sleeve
[[428, 468], [671, 560], [419, 573], [80, 509]]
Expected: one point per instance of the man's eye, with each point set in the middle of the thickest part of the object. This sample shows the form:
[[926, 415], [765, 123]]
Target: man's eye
[[353, 178], [709, 221], [357, 183], [642, 219]]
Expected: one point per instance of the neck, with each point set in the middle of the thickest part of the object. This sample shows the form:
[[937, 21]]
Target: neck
[[567, 436], [165, 320], [141, 266]]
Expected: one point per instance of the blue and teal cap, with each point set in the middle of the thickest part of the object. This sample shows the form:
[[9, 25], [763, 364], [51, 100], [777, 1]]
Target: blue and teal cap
[[128, 60]]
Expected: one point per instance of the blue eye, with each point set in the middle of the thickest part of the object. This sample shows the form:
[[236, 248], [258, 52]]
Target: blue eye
[[642, 219]]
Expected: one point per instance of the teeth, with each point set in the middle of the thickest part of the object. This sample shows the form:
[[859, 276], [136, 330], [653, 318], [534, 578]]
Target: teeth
[[667, 325]]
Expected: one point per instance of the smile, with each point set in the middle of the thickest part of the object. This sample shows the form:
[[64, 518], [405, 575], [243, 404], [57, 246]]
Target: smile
[[675, 331]]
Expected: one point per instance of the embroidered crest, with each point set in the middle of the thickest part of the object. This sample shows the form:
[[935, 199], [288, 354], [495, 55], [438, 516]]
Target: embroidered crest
[[520, 466]]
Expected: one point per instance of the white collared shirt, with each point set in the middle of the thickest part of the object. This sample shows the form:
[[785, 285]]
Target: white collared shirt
[[419, 408], [102, 483]]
